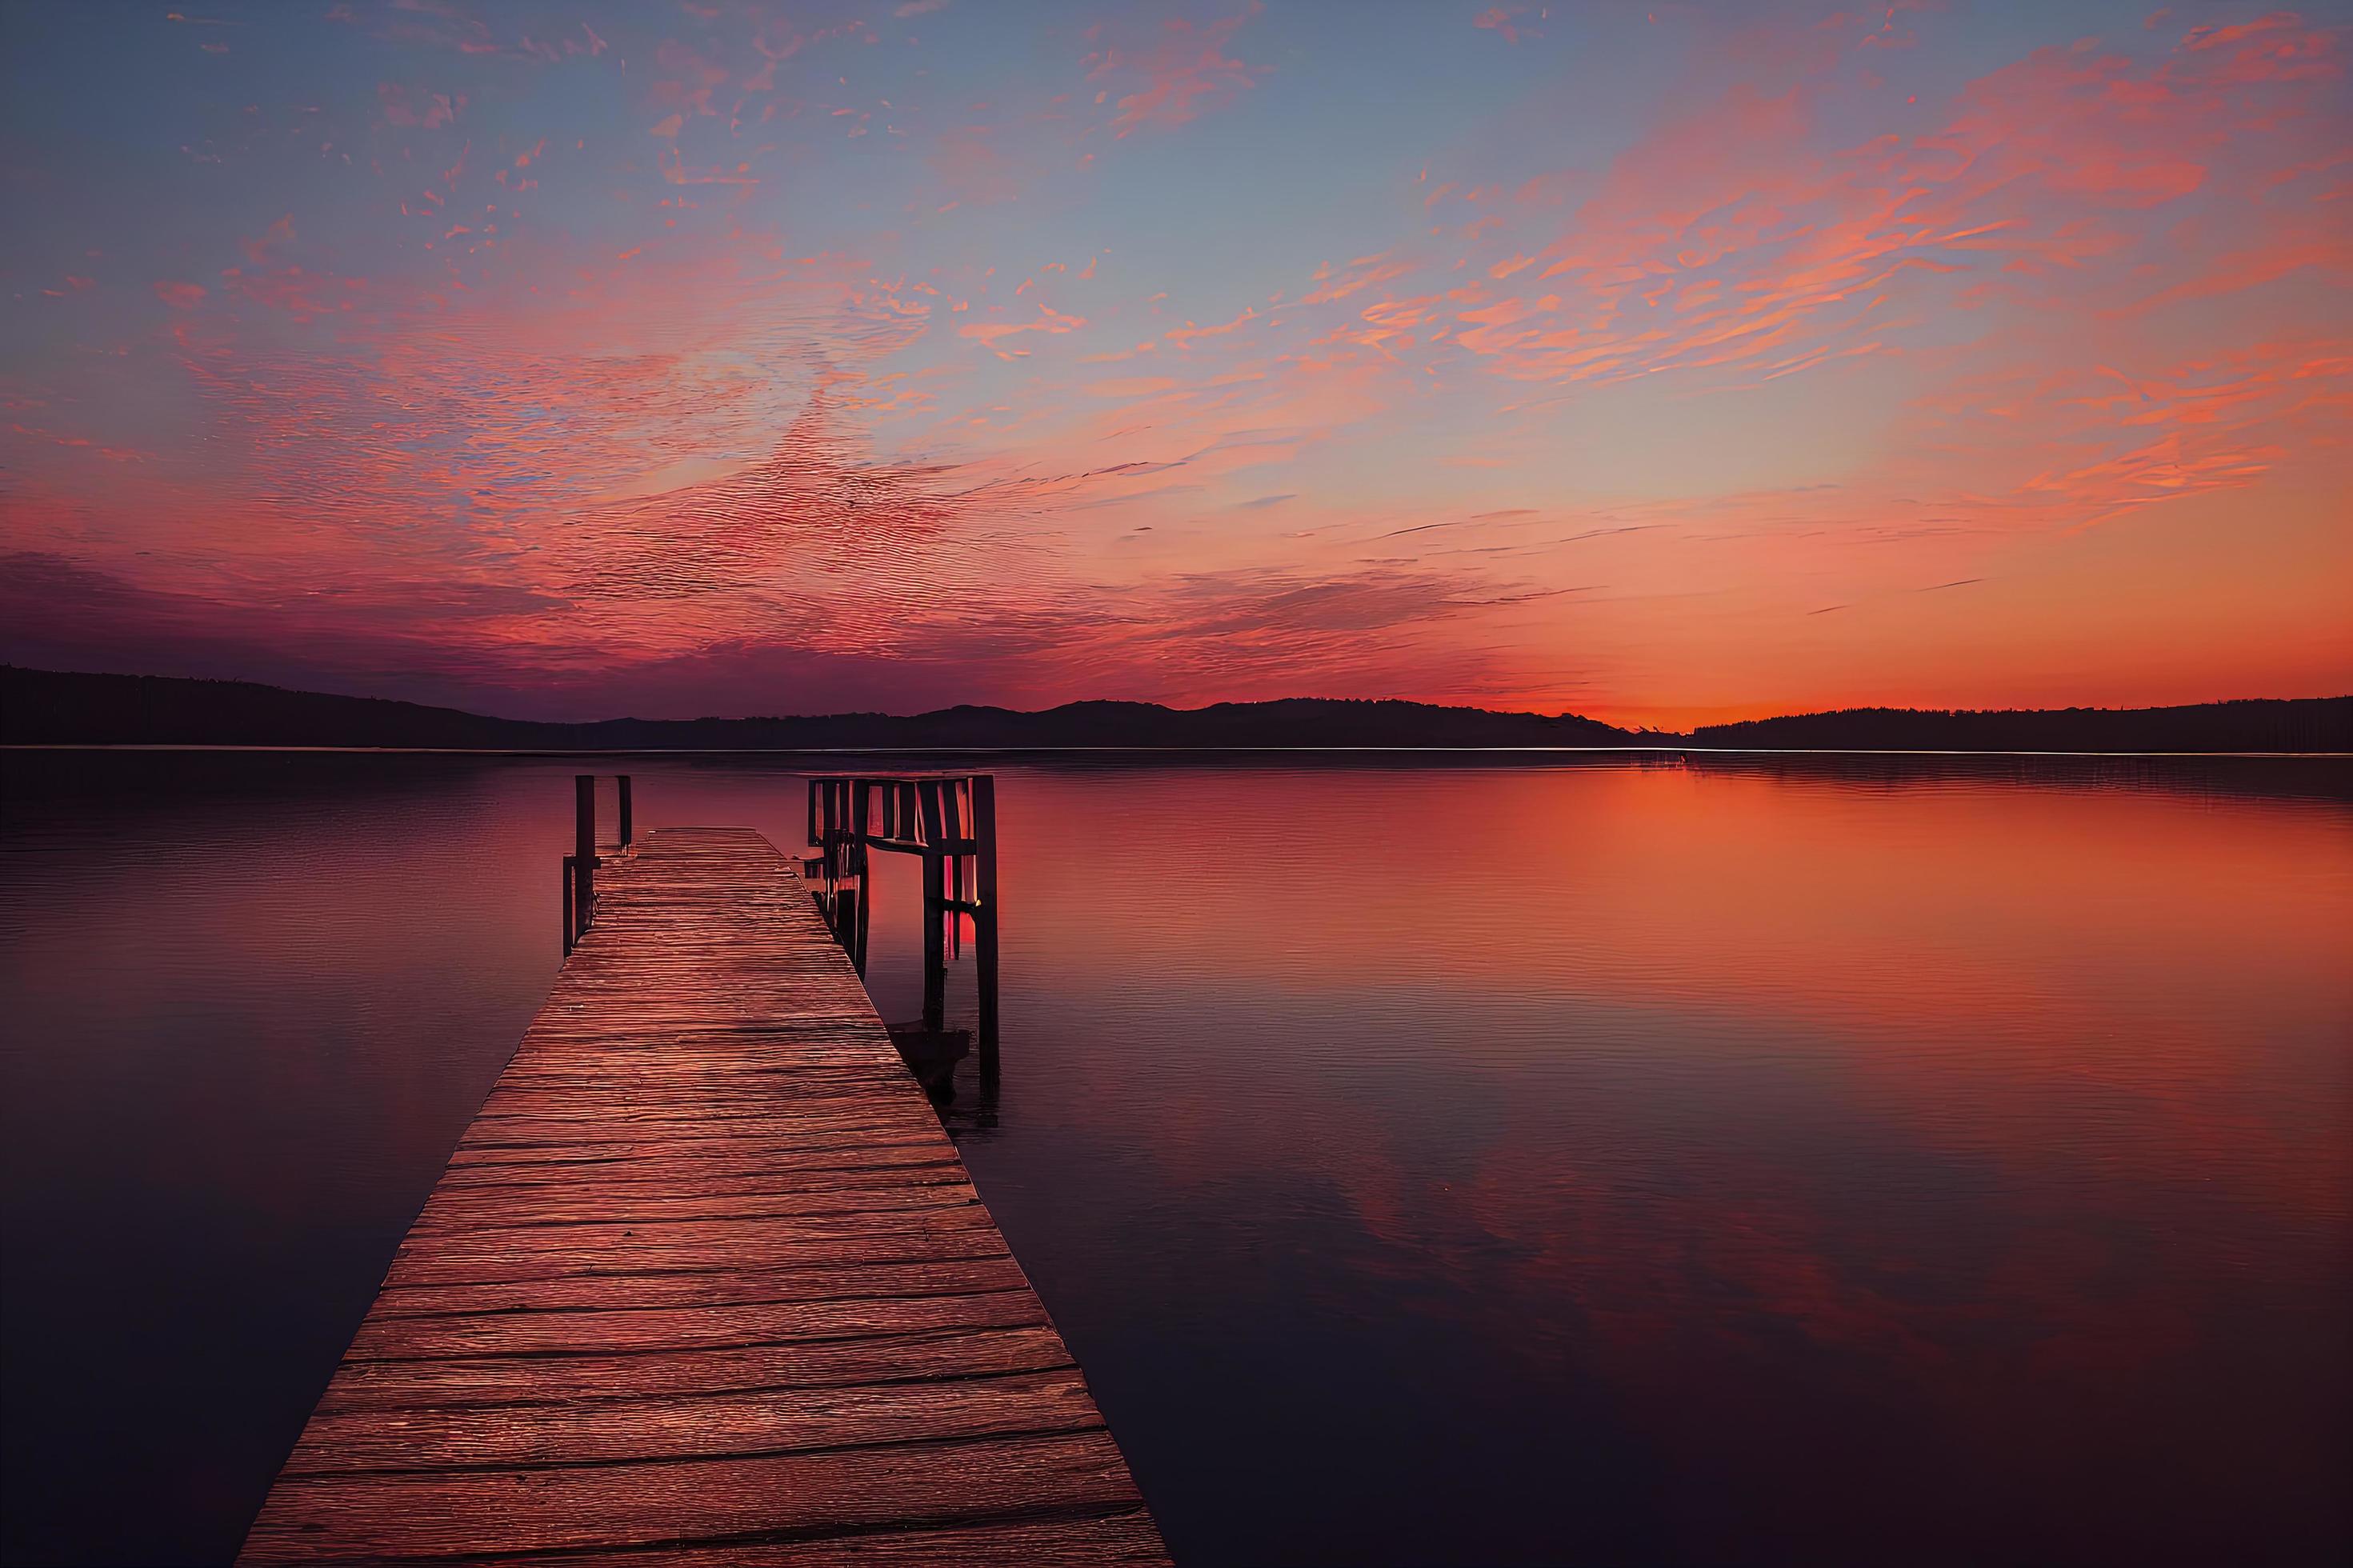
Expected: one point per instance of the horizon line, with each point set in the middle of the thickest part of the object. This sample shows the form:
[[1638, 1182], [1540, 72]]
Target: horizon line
[[1203, 707], [1156, 751]]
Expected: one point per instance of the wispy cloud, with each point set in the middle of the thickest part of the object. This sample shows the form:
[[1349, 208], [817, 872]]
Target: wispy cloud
[[1646, 366]]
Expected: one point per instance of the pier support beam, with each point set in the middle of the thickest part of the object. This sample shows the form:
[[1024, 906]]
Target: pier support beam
[[584, 849], [856, 937], [984, 919], [936, 963]]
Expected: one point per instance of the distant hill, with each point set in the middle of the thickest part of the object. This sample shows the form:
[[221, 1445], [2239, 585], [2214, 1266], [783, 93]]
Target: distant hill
[[51, 707], [2306, 724], [43, 707]]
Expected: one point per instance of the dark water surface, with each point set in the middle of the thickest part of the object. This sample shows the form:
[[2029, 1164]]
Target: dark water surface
[[1737, 1163]]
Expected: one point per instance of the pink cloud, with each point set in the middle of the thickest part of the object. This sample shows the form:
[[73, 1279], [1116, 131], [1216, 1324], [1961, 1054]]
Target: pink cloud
[[1049, 321], [425, 111], [1729, 238], [1187, 73], [1503, 19]]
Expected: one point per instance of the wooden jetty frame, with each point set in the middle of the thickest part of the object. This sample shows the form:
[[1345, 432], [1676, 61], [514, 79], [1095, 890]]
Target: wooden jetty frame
[[949, 820], [705, 1282], [580, 866]]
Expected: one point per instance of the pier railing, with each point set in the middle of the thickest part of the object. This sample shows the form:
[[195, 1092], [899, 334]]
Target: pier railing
[[580, 866], [949, 820]]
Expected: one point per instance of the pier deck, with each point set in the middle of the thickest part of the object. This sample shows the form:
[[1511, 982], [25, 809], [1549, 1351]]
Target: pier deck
[[704, 1282]]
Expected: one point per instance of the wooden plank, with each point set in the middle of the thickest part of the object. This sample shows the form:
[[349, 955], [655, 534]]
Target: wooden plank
[[1127, 1537], [478, 1380], [381, 1515], [930, 1274], [526, 1254], [720, 1288], [563, 1204], [772, 1420], [568, 1167], [705, 1282], [815, 1150], [613, 1332]]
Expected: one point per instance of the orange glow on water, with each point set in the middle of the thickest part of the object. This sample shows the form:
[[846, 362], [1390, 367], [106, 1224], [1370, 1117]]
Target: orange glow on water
[[1761, 1158]]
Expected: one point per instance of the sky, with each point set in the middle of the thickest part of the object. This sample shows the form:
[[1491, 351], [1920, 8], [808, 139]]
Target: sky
[[1664, 363]]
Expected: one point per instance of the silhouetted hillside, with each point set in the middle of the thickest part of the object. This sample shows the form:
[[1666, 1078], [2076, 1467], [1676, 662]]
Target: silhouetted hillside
[[2307, 724], [41, 707], [47, 708]]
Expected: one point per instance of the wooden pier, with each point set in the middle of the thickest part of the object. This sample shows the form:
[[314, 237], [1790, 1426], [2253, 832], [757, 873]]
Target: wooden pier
[[705, 1283]]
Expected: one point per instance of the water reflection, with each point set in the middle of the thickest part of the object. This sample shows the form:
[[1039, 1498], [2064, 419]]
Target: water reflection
[[1730, 1161], [1715, 1163]]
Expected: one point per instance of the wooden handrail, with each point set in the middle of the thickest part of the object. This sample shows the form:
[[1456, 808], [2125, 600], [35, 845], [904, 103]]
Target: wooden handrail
[[949, 821]]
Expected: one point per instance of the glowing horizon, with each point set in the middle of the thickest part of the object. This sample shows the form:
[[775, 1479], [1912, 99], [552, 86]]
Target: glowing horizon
[[1627, 360]]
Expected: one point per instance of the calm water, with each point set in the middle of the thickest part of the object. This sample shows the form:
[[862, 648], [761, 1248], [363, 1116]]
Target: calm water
[[1615, 1164]]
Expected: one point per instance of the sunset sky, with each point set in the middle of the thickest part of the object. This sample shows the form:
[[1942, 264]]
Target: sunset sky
[[1664, 363]]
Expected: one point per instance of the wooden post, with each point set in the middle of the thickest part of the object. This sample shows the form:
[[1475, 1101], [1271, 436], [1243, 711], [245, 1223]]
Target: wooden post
[[934, 826], [859, 864], [829, 842], [569, 862], [958, 803], [628, 824], [936, 965], [932, 831], [983, 924], [584, 841]]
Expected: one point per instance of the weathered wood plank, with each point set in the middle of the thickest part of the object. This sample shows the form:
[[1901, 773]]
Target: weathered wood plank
[[927, 1275], [686, 1328], [621, 1263], [633, 1203], [704, 1282], [820, 1151], [532, 1254], [814, 1363], [440, 1513], [692, 1171], [769, 1420], [1128, 1537]]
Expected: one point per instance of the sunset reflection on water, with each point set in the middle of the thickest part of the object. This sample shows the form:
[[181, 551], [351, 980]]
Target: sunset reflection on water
[[1730, 1162]]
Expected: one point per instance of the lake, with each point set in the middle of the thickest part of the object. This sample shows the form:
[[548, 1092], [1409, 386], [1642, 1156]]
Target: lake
[[1754, 1161]]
